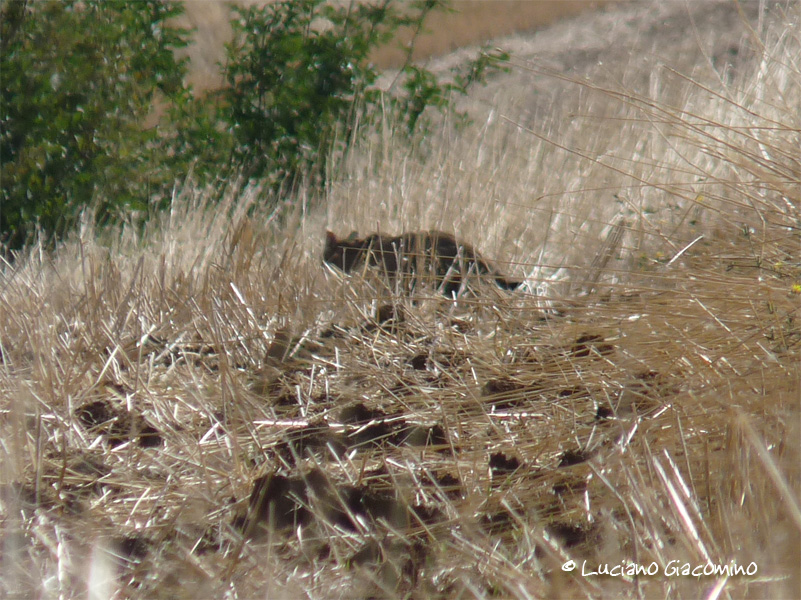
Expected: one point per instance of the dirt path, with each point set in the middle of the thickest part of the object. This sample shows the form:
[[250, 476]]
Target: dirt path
[[470, 22], [622, 45]]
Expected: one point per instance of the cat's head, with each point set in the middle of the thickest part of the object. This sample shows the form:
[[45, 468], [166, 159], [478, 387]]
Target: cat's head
[[343, 253]]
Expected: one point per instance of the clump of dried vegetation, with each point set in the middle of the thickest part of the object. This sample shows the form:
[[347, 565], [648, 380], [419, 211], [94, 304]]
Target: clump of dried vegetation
[[200, 409]]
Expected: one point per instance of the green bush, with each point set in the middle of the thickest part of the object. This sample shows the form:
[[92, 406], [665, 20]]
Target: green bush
[[78, 81], [301, 87]]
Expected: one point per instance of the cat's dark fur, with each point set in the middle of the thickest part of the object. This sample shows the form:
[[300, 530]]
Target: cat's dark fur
[[433, 254]]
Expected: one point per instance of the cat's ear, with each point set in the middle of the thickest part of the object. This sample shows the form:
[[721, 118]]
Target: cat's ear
[[354, 235], [330, 239]]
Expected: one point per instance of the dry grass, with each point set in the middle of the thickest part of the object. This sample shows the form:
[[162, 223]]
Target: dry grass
[[200, 409]]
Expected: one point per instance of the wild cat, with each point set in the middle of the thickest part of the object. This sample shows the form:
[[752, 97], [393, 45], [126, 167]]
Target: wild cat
[[411, 256]]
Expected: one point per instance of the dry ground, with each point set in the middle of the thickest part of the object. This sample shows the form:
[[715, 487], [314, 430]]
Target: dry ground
[[201, 409], [470, 22]]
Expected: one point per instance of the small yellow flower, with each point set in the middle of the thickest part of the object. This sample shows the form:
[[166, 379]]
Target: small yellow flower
[[795, 288]]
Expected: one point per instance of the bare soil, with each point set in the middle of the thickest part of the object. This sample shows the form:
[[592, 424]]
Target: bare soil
[[470, 22]]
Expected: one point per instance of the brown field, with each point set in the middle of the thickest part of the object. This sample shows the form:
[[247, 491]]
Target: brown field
[[201, 409], [470, 22]]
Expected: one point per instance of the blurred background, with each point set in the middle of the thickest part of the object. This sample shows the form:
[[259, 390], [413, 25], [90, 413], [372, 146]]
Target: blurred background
[[470, 22]]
